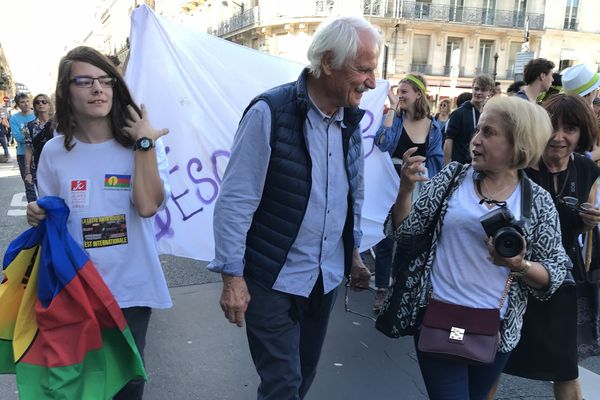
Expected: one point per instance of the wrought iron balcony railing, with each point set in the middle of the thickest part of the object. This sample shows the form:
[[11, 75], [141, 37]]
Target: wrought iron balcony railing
[[421, 68], [236, 22], [445, 13], [447, 68], [412, 10], [484, 70]]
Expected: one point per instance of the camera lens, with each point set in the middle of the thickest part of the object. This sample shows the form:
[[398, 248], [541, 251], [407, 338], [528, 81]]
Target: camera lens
[[508, 242]]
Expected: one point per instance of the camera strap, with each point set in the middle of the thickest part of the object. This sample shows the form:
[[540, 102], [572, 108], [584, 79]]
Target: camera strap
[[526, 194]]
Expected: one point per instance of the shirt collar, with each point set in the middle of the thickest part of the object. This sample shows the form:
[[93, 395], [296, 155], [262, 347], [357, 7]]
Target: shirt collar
[[315, 115]]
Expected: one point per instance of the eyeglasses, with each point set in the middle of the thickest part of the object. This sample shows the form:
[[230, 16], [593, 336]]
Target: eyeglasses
[[88, 81], [35, 103]]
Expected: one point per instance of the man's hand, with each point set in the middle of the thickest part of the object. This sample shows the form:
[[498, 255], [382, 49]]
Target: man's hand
[[234, 299], [360, 276]]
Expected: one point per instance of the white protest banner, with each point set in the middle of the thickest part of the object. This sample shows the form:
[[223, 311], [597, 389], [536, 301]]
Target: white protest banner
[[198, 85]]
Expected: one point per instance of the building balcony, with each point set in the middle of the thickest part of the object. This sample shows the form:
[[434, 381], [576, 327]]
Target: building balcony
[[237, 22], [484, 70], [447, 68], [421, 68], [399, 9], [414, 10]]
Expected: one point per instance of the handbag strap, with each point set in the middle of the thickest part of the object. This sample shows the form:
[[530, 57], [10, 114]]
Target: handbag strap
[[438, 212]]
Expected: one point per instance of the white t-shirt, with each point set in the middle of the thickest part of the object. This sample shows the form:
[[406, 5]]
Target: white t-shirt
[[96, 183], [462, 271]]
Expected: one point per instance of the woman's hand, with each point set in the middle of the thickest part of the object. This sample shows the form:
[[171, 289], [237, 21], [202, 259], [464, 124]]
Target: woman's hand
[[138, 127], [29, 178], [392, 97], [35, 214], [590, 215], [412, 170], [515, 264]]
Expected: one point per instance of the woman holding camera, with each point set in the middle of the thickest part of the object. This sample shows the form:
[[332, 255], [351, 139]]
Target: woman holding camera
[[571, 180], [407, 124], [463, 265]]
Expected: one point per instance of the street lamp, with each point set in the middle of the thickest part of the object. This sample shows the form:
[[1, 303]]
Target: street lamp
[[241, 6], [495, 65]]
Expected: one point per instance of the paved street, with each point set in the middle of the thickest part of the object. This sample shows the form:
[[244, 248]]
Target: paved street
[[193, 353]]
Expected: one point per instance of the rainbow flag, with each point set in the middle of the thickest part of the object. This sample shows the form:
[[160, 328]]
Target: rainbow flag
[[61, 330]]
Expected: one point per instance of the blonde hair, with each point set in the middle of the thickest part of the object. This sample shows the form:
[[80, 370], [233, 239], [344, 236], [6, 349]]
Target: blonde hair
[[528, 126]]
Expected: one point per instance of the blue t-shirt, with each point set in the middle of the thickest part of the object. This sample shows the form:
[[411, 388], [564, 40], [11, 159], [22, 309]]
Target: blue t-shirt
[[18, 123]]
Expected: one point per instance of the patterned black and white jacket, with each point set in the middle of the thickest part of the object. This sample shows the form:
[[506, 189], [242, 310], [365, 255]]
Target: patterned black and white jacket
[[543, 245]]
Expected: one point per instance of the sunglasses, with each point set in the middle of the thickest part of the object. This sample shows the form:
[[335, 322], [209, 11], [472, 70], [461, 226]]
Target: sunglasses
[[35, 103]]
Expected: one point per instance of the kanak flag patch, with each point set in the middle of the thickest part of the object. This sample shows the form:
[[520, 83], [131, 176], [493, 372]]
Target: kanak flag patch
[[117, 182]]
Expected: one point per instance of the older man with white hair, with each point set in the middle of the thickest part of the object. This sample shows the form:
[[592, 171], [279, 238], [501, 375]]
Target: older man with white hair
[[287, 221]]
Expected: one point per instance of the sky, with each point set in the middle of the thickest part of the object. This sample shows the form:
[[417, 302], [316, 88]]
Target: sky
[[35, 34]]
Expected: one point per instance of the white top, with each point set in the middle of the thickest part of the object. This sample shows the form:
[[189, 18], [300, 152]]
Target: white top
[[462, 272], [96, 182]]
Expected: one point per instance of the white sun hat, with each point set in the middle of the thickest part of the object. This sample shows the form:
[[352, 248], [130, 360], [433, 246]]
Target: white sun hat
[[580, 79]]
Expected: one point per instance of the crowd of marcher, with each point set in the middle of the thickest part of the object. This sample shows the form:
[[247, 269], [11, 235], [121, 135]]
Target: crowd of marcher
[[503, 188]]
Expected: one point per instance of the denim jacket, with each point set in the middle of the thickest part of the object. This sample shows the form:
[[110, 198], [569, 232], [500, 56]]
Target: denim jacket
[[387, 139]]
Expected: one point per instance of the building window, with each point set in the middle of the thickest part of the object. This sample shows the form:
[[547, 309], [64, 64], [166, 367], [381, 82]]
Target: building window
[[423, 9], [324, 6], [373, 7], [420, 54], [452, 53], [571, 14], [515, 47], [455, 11], [520, 13], [564, 64], [485, 56], [489, 11]]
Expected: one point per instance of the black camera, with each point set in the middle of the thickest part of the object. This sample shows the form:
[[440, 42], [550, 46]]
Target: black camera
[[505, 230]]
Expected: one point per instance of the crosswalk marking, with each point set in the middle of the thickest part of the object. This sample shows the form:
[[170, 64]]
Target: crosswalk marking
[[18, 205], [16, 213]]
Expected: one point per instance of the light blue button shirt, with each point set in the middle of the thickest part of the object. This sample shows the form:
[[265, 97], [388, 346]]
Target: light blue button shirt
[[319, 245]]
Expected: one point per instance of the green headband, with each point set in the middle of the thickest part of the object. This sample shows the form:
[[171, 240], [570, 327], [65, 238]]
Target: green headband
[[588, 85], [416, 81]]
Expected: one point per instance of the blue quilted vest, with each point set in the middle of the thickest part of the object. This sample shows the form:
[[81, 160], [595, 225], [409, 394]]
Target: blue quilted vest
[[277, 220]]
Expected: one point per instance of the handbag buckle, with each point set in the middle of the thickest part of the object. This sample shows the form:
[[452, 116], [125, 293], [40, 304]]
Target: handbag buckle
[[457, 334]]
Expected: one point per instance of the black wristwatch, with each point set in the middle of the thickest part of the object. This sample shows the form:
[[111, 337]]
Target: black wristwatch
[[144, 144]]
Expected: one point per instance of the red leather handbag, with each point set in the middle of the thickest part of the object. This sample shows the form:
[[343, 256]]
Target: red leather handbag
[[460, 333]]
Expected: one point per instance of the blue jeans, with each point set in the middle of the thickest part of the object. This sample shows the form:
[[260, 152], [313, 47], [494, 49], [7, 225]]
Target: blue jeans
[[137, 319], [29, 187], [383, 262], [285, 335], [454, 380], [4, 145]]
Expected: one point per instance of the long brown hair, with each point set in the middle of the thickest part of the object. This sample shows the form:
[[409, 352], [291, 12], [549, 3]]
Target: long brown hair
[[65, 120], [422, 108]]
